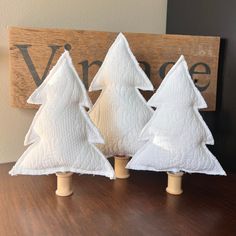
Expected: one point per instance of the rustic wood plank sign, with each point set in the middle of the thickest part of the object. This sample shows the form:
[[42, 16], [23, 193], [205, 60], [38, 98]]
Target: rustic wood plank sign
[[33, 52]]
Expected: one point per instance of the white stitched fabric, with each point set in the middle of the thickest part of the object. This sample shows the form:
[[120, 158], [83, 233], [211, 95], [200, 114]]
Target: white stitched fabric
[[120, 112], [62, 136], [177, 135]]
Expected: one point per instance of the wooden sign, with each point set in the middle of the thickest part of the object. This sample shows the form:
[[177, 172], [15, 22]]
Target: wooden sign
[[33, 52]]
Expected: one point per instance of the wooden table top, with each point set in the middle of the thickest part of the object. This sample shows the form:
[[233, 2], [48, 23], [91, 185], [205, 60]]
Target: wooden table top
[[135, 206]]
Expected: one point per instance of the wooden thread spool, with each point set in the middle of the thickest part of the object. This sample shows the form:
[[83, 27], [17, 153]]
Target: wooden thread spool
[[174, 183], [120, 164], [64, 184]]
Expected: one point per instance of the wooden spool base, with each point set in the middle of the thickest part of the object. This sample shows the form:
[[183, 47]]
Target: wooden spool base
[[174, 183], [120, 170], [64, 184]]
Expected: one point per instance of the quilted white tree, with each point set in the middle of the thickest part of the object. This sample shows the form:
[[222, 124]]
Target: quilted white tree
[[120, 112], [177, 135], [62, 136]]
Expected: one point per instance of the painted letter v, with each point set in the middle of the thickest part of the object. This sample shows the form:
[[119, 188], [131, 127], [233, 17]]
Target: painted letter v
[[24, 51]]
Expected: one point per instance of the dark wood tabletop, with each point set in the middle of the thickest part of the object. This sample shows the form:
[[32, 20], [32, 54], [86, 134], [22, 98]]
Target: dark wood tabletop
[[99, 206]]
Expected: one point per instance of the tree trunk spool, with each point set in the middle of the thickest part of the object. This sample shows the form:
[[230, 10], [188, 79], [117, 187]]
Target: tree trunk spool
[[174, 183], [64, 184], [120, 164]]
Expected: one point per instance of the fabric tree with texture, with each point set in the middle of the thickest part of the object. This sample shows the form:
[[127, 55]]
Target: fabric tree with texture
[[62, 136], [177, 135], [120, 112]]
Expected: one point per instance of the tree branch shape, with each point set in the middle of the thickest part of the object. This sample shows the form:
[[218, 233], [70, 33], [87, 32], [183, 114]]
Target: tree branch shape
[[120, 112], [177, 135], [62, 136]]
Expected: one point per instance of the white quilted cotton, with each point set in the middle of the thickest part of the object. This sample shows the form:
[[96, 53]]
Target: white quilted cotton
[[176, 132], [120, 112], [62, 134]]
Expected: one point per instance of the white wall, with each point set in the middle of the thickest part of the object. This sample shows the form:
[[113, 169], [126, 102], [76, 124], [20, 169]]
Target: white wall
[[104, 15]]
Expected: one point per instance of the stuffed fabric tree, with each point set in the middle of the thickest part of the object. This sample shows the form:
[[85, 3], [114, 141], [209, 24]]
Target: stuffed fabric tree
[[177, 135], [120, 112], [62, 136]]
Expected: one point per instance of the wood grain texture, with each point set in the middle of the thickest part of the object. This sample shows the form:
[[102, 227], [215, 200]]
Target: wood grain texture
[[135, 206], [88, 48]]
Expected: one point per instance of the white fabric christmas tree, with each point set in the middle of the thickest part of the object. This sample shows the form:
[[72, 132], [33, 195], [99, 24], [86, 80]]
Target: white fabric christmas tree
[[120, 112], [62, 134], [177, 135]]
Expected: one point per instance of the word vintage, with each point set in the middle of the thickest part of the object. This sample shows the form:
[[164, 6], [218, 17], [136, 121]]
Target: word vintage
[[33, 52]]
